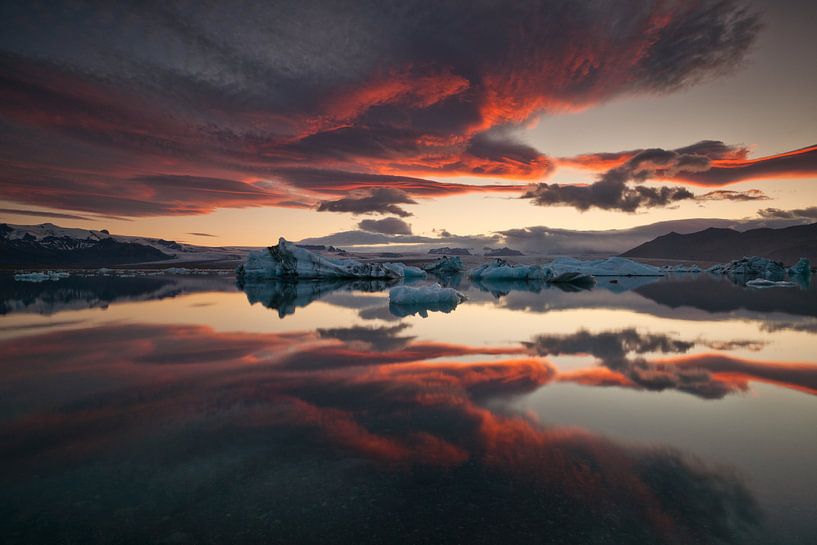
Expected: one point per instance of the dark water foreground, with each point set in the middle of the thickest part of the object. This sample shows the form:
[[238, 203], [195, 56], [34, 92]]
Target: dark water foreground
[[185, 410]]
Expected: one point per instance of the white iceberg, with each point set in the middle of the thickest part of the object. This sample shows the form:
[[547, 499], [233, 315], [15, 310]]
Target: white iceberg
[[763, 283], [408, 300], [41, 276], [499, 269], [425, 295], [286, 260], [801, 268], [612, 266]]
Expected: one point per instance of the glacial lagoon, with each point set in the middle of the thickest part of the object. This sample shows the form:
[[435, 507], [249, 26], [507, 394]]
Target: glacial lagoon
[[178, 409]]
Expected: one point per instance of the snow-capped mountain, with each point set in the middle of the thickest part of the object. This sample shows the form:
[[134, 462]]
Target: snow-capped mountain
[[47, 244]]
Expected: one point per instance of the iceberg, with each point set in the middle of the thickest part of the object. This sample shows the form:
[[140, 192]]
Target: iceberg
[[41, 276], [445, 265], [405, 271], [577, 279], [499, 269], [751, 266], [612, 266], [763, 283], [286, 260], [407, 295], [406, 300], [801, 268], [285, 296], [681, 268]]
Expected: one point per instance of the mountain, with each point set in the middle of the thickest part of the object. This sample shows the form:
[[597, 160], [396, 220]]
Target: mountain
[[786, 245], [49, 245]]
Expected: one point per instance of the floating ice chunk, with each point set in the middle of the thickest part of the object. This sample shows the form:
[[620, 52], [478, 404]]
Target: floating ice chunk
[[405, 271], [499, 269], [433, 294], [406, 300], [801, 268], [41, 276], [612, 266], [752, 266], [577, 279], [286, 260], [681, 268], [445, 265], [763, 283]]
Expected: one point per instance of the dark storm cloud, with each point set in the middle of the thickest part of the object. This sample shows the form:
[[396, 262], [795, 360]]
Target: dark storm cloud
[[387, 226], [710, 376], [614, 189], [96, 95], [376, 201], [706, 163], [607, 195]]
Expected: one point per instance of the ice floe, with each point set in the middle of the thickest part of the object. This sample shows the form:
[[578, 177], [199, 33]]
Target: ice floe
[[612, 266], [405, 271], [681, 268], [41, 276], [801, 268], [751, 266], [445, 265], [499, 269], [408, 300], [286, 260], [763, 283]]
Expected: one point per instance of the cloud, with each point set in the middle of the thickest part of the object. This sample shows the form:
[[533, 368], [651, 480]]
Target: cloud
[[606, 195], [809, 213], [705, 163], [38, 213], [710, 376], [376, 201], [387, 226], [727, 195], [201, 234], [382, 423], [378, 88], [614, 189]]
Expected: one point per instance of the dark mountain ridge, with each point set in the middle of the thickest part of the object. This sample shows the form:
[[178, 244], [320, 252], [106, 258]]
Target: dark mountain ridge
[[714, 244]]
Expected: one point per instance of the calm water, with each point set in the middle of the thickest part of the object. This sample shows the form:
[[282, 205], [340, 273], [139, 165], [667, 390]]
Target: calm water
[[185, 410]]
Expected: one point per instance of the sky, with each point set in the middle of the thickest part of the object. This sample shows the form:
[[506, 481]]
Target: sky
[[236, 123]]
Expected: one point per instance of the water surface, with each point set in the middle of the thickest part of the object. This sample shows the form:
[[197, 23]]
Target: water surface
[[186, 410]]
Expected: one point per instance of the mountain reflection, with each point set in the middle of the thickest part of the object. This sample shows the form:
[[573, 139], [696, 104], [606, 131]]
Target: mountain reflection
[[351, 434]]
